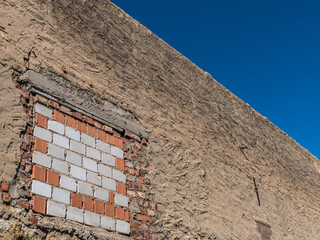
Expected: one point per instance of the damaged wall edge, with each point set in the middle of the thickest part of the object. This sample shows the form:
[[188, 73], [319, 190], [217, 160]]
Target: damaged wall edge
[[61, 90]]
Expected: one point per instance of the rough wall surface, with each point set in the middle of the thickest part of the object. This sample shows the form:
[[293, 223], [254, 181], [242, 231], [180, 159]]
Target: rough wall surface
[[206, 145]]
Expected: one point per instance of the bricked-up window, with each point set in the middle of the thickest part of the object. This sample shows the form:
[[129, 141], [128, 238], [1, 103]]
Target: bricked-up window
[[264, 229], [78, 171]]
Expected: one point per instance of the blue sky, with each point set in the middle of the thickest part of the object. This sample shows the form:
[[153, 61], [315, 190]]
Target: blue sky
[[265, 52]]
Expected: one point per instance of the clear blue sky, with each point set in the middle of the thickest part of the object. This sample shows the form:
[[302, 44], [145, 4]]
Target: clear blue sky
[[265, 52]]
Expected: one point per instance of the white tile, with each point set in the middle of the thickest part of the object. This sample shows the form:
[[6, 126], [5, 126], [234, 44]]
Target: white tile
[[108, 159], [75, 214], [43, 110], [101, 194], [105, 147], [88, 140], [93, 153], [108, 223], [77, 147], [78, 173], [41, 188], [117, 152], [56, 209], [56, 127], [41, 159], [93, 178], [61, 195], [74, 158], [42, 133], [56, 151], [68, 183], [105, 170], [90, 164], [73, 133], [60, 166], [109, 184], [91, 218], [121, 200], [122, 227], [118, 175], [61, 141], [85, 188]]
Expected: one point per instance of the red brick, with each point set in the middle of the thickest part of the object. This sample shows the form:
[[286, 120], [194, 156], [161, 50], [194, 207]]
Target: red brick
[[52, 178], [129, 134], [41, 120], [115, 133], [39, 173], [101, 135], [39, 205], [58, 116], [34, 220], [115, 141], [88, 204], [121, 188], [87, 119], [109, 210], [91, 131], [111, 197], [24, 204], [5, 186], [40, 145], [53, 104], [126, 215], [41, 99], [98, 207], [97, 124], [143, 218], [76, 200], [120, 164], [81, 126], [134, 224], [24, 146], [70, 121], [144, 142], [6, 197], [77, 115], [120, 213], [65, 109]]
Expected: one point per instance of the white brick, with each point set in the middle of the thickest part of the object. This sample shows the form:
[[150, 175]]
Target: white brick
[[90, 164], [105, 170], [60, 166], [61, 195], [75, 214], [108, 223], [42, 133], [109, 184], [93, 153], [78, 172], [56, 126], [93, 178], [122, 227], [101, 194], [117, 152], [105, 147], [73, 133], [61, 141], [91, 218], [77, 147], [74, 158], [108, 159], [41, 159], [68, 183], [88, 140], [85, 188], [56, 209], [43, 110], [121, 200], [41, 188], [119, 176], [56, 151]]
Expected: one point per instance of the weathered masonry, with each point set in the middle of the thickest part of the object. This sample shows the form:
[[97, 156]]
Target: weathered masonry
[[107, 132]]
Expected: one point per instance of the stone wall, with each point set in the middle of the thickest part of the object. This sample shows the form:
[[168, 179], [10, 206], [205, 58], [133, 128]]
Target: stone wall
[[205, 145]]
